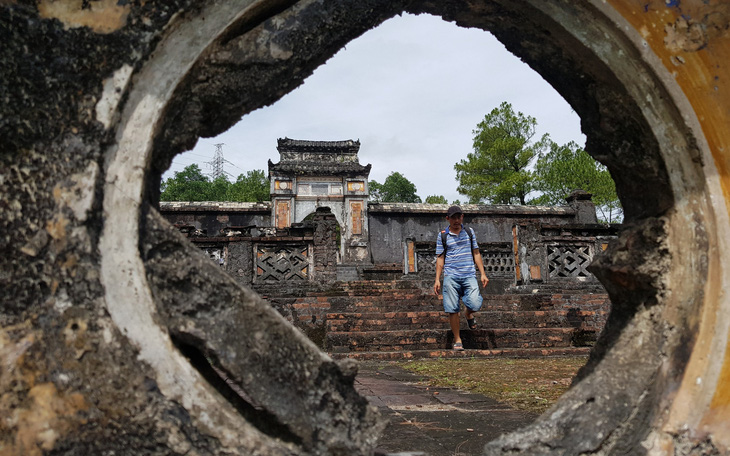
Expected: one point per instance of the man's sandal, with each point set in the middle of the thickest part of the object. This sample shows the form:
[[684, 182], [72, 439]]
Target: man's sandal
[[472, 322], [458, 346]]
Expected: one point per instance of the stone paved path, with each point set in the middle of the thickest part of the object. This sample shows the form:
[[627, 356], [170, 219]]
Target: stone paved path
[[433, 421]]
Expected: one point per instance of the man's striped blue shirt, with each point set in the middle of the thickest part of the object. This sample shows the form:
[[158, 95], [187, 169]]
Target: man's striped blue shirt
[[459, 261]]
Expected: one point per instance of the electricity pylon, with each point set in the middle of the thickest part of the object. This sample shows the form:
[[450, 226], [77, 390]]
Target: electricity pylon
[[216, 165]]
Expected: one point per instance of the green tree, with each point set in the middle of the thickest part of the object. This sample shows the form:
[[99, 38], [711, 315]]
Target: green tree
[[219, 189], [190, 184], [253, 186], [376, 191], [436, 199], [567, 168], [396, 189], [496, 172]]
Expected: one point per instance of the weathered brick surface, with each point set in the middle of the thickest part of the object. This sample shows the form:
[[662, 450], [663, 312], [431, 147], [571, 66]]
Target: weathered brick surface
[[432, 339], [425, 319], [400, 316]]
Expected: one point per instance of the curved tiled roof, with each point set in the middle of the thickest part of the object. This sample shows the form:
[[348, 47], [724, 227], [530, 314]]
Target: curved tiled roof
[[287, 144], [300, 168]]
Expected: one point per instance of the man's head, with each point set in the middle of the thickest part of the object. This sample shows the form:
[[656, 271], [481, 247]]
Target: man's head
[[454, 216], [454, 210]]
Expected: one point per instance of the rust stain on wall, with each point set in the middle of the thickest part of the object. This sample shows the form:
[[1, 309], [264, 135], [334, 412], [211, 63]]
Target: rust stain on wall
[[411, 257], [357, 210], [102, 16], [720, 406], [49, 417], [31, 423]]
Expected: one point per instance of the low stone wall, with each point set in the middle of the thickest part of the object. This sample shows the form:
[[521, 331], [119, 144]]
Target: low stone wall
[[288, 256], [392, 226], [536, 254], [211, 218]]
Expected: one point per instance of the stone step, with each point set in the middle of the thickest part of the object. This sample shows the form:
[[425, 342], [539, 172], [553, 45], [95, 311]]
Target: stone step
[[372, 304], [432, 339], [413, 302], [381, 295], [355, 288], [384, 321], [448, 353], [374, 295], [367, 287], [346, 273], [429, 319], [375, 304], [584, 301]]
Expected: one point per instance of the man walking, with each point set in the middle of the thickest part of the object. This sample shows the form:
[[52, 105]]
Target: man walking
[[456, 257]]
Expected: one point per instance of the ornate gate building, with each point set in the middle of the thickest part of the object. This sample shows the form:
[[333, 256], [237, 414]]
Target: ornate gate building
[[315, 174]]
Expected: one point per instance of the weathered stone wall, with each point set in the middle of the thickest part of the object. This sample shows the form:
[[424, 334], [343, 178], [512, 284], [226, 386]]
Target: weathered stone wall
[[305, 253], [113, 325], [213, 217], [123, 343], [391, 224]]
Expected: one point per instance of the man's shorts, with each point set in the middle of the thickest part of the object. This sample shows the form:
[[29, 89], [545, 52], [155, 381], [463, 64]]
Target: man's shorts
[[466, 288]]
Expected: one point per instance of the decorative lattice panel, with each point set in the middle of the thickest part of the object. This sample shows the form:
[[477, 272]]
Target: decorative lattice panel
[[569, 260], [426, 262], [281, 263], [496, 264], [499, 264]]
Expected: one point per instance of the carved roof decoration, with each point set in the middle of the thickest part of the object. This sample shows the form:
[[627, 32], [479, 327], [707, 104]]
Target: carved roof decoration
[[307, 158]]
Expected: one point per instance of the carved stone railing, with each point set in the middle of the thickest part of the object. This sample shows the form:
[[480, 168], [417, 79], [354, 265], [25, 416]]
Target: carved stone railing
[[497, 258], [265, 255], [569, 260], [538, 253], [548, 253], [499, 261], [282, 262]]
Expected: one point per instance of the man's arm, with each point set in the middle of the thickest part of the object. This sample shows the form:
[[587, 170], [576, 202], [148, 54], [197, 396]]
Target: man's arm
[[480, 264], [439, 269]]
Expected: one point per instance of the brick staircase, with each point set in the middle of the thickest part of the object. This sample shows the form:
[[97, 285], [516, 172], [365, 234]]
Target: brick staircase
[[402, 319]]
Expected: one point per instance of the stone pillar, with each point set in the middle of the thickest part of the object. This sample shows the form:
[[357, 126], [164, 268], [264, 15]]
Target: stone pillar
[[240, 262], [585, 209], [325, 245]]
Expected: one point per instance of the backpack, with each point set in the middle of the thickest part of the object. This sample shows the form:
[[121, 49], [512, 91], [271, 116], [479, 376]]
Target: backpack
[[444, 235]]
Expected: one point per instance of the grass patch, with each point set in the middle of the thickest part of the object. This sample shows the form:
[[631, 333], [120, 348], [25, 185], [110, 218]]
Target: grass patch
[[526, 384]]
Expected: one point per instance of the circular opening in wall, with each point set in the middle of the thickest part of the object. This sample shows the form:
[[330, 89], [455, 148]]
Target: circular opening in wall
[[631, 124]]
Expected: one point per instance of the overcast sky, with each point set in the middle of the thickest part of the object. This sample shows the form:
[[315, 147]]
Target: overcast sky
[[412, 91]]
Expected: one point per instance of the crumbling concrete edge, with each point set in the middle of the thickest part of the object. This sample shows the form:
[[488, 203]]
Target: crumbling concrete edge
[[702, 375], [127, 294]]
